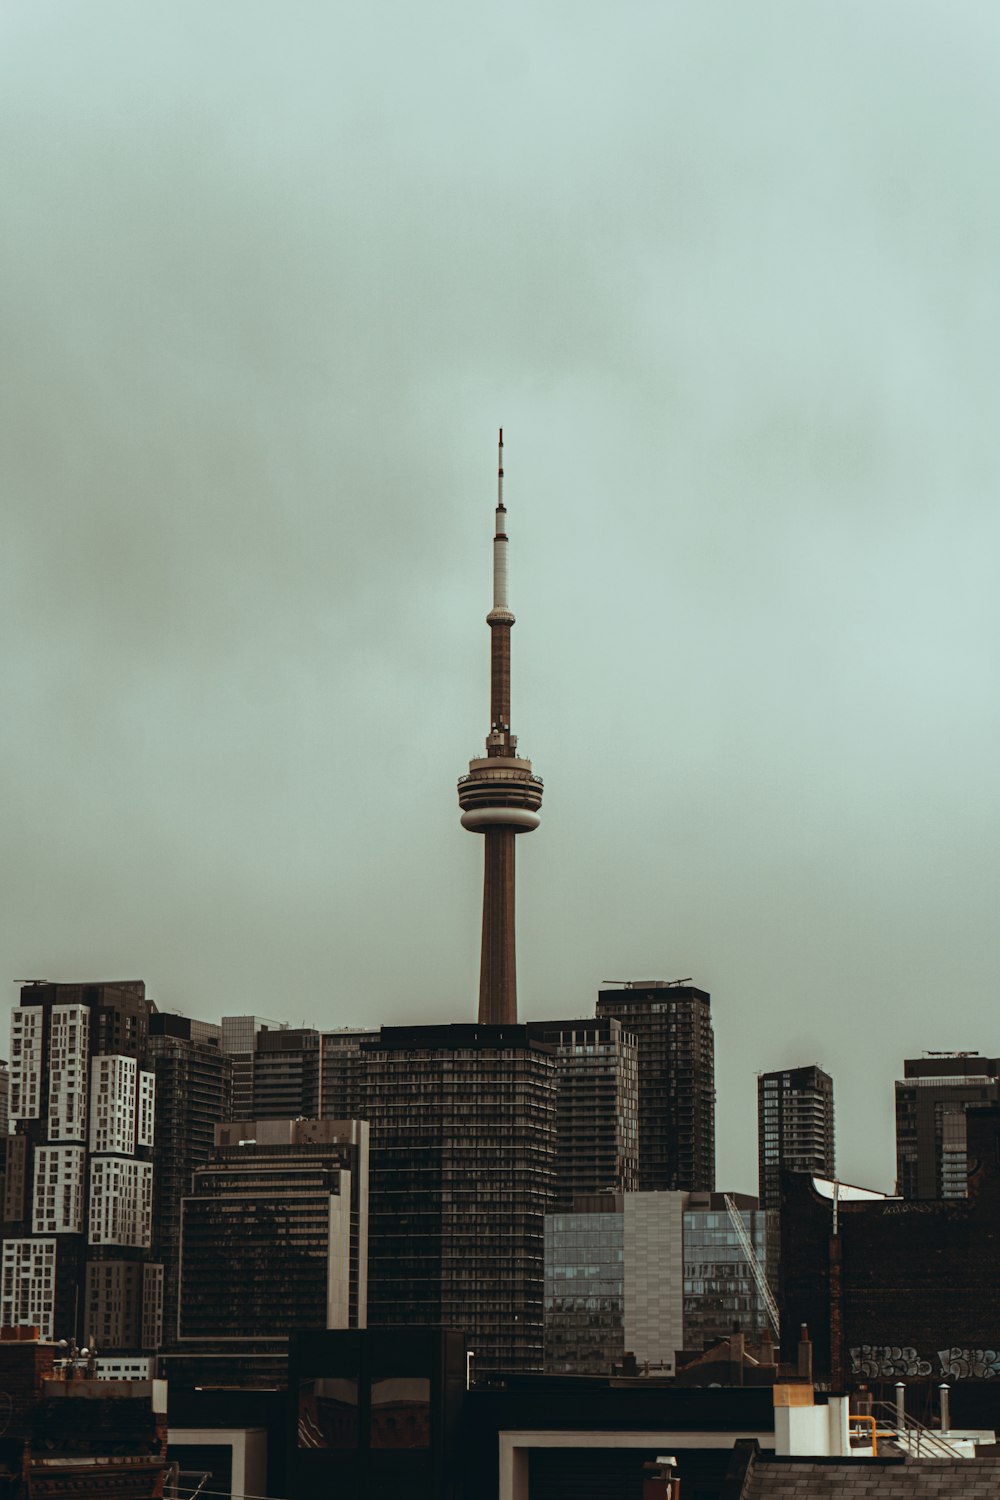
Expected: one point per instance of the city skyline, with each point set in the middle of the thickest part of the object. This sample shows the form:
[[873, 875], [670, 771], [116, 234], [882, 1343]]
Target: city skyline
[[731, 294]]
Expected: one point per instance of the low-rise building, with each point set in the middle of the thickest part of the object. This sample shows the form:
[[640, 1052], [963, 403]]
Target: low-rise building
[[896, 1288], [274, 1238], [651, 1274]]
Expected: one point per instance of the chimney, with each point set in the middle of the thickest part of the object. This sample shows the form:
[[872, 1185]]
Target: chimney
[[805, 1369]]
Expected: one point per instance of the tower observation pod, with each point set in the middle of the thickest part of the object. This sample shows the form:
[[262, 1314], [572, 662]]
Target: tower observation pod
[[499, 798]]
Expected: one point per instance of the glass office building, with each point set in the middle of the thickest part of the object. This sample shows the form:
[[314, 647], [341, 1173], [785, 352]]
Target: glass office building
[[584, 1292], [720, 1295], [687, 1287]]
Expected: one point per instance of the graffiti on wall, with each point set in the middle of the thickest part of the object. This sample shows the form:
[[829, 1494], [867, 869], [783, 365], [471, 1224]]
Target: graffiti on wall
[[881, 1361], [970, 1364], [899, 1361]]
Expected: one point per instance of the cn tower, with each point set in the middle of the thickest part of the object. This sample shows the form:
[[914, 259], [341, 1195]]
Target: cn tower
[[499, 798]]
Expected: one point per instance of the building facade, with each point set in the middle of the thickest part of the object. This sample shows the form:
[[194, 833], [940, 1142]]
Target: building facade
[[342, 1073], [286, 1074], [932, 1097], [238, 1039], [379, 1413], [585, 1288], [650, 1275], [274, 1236], [78, 1198], [672, 1025], [597, 1124], [193, 1095], [795, 1128], [720, 1292], [893, 1288], [65, 1433], [463, 1132]]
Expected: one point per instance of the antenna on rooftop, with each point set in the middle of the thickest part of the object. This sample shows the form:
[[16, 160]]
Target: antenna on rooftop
[[650, 984]]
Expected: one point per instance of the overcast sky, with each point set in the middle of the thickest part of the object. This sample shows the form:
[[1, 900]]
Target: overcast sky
[[727, 276]]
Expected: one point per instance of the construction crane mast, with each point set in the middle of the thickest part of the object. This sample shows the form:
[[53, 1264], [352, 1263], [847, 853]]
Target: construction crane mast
[[756, 1269]]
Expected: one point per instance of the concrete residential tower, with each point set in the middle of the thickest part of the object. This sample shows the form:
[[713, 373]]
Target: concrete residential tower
[[671, 1021], [794, 1127], [499, 798]]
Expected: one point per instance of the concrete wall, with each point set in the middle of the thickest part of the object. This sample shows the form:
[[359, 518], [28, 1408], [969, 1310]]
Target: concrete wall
[[654, 1276]]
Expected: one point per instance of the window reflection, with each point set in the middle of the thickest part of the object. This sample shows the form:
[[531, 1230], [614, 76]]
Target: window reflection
[[401, 1412], [328, 1412]]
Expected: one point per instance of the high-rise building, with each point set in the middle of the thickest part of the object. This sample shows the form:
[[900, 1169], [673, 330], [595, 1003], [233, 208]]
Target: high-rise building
[[4, 1099], [500, 798], [274, 1236], [672, 1025], [193, 1087], [276, 1068], [79, 1182], [342, 1074], [239, 1042], [597, 1143], [794, 1127], [931, 1101], [463, 1126], [286, 1074]]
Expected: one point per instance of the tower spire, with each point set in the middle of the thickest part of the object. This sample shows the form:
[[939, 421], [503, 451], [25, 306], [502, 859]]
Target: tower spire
[[500, 619], [500, 797], [500, 539]]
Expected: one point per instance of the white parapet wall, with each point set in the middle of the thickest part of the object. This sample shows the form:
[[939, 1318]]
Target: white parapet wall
[[515, 1447], [249, 1453], [813, 1431]]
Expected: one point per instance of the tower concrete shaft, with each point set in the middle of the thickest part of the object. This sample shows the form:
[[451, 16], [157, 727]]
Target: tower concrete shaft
[[500, 798], [498, 962]]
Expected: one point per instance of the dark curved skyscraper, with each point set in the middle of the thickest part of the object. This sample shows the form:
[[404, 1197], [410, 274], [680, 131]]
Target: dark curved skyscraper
[[499, 798]]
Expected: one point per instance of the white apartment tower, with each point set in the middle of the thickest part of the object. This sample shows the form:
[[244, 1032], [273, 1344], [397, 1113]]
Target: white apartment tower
[[77, 1206]]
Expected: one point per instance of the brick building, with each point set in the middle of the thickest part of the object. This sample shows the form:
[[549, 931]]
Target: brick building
[[65, 1433], [896, 1289]]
